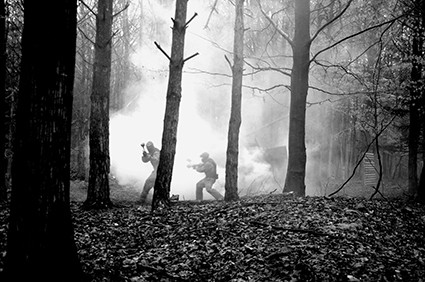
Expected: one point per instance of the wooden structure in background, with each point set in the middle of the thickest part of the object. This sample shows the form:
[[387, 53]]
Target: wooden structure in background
[[369, 170]]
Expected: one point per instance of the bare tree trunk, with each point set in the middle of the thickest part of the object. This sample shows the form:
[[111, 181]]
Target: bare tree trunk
[[421, 186], [121, 74], [171, 119], [331, 145], [98, 190], [231, 184], [299, 88], [81, 113], [379, 170], [40, 237], [414, 122], [3, 160], [141, 21]]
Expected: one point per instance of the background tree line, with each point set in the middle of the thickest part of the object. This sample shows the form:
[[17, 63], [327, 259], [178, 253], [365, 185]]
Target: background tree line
[[360, 63], [363, 78]]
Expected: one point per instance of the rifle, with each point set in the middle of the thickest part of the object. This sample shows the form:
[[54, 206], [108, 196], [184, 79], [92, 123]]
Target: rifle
[[194, 166]]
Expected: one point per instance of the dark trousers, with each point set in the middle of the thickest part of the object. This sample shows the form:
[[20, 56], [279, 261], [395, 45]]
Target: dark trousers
[[149, 184], [207, 183]]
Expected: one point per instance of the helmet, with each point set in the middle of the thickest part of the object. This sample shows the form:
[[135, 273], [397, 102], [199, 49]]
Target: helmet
[[205, 155], [149, 144]]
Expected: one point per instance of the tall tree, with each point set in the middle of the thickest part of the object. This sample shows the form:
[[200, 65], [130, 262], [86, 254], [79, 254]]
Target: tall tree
[[98, 194], [171, 118], [231, 184], [40, 243], [418, 97], [416, 90], [301, 48], [299, 88], [82, 90], [3, 160]]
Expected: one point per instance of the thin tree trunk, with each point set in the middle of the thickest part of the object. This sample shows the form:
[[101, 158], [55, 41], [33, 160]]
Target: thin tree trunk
[[3, 160], [231, 184], [141, 22], [330, 165], [40, 237], [299, 88], [414, 122], [81, 113], [378, 183], [98, 195], [83, 148], [171, 119], [421, 186]]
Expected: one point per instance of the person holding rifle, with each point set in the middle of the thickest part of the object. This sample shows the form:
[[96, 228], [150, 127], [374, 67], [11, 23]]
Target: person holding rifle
[[152, 156], [209, 167]]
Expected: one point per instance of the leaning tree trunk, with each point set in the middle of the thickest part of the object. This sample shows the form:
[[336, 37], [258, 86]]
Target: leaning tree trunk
[[171, 119], [231, 184], [299, 88], [98, 189], [40, 237], [3, 160]]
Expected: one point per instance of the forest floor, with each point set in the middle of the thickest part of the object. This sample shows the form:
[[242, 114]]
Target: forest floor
[[259, 238]]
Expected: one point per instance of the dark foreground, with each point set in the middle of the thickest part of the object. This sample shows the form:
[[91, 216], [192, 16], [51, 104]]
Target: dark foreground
[[264, 238]]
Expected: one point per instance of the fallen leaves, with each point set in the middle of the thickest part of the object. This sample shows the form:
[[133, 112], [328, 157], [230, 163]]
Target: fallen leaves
[[264, 238]]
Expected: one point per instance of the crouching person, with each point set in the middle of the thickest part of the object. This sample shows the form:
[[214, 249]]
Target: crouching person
[[209, 167]]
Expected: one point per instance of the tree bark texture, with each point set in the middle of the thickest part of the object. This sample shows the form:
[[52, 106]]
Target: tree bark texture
[[40, 237], [3, 160], [81, 113], [421, 39], [299, 88], [414, 122], [231, 183], [171, 118], [98, 189], [415, 99]]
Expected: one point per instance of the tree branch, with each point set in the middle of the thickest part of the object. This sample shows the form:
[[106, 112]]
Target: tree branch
[[163, 52], [83, 33], [87, 6], [268, 69], [331, 21], [228, 61], [190, 19], [209, 16], [194, 55], [354, 35], [123, 9], [281, 32], [361, 159]]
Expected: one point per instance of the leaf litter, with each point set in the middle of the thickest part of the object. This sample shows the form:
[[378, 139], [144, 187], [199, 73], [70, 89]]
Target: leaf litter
[[261, 238]]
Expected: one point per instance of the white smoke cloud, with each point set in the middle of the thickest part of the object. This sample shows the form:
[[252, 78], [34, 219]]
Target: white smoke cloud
[[144, 122]]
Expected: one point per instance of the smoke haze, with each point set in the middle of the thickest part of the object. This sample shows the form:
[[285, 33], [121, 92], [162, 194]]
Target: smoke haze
[[203, 96]]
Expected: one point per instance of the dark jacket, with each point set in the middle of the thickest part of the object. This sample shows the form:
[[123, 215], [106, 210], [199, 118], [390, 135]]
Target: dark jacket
[[209, 167], [153, 157]]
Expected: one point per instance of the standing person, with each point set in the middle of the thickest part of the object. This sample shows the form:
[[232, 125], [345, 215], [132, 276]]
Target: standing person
[[209, 167], [152, 156]]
